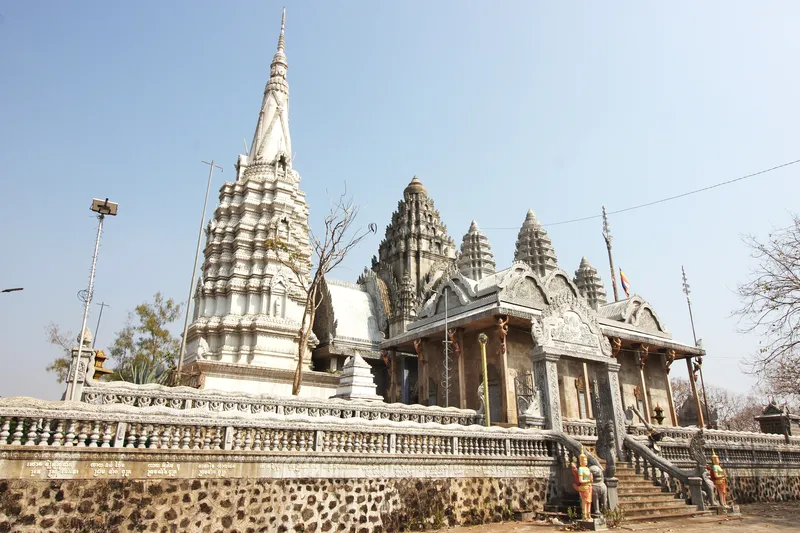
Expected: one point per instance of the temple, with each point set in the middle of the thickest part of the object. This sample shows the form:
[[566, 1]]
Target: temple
[[558, 350], [443, 370]]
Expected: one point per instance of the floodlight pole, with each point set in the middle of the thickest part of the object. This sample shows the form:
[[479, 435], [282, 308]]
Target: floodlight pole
[[97, 328], [86, 305], [211, 167]]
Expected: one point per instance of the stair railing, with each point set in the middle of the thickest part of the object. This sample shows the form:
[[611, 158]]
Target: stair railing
[[664, 474]]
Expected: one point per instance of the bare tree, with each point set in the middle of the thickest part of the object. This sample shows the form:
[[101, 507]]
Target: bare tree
[[771, 307], [329, 251], [65, 341], [734, 411]]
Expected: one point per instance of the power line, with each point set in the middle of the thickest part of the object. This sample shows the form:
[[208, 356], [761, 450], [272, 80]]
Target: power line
[[662, 200]]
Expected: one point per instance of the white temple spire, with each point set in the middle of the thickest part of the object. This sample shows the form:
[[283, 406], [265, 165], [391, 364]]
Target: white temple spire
[[272, 138]]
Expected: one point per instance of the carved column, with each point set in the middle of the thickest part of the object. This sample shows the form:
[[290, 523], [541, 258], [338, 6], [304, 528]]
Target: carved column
[[502, 352], [669, 358], [545, 369], [610, 401], [642, 352]]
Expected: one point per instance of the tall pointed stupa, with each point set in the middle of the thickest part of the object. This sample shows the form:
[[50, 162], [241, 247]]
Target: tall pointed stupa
[[534, 247], [476, 260], [249, 304]]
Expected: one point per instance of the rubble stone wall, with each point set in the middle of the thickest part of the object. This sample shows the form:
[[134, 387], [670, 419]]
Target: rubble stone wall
[[750, 487], [249, 505]]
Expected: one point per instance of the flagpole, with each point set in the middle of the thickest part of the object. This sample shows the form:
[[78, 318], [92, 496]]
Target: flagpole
[[699, 362], [607, 237]]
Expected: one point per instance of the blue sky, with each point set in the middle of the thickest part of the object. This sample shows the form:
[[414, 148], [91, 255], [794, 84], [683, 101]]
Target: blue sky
[[498, 107]]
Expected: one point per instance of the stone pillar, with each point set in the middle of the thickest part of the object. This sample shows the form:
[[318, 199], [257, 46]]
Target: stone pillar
[[612, 484], [545, 369], [610, 402], [669, 358], [462, 379], [85, 368], [642, 352]]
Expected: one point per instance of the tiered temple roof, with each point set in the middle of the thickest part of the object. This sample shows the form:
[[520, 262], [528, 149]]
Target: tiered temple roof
[[589, 284], [476, 260], [534, 247]]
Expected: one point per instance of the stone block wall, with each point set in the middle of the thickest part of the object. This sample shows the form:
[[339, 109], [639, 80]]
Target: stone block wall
[[253, 504]]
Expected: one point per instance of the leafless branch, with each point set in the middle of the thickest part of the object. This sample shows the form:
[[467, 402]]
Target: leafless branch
[[771, 307], [329, 249]]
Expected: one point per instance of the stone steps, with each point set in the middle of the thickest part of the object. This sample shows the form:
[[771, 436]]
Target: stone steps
[[641, 500], [666, 515]]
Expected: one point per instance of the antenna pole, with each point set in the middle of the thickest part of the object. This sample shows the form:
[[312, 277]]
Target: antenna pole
[[607, 236], [211, 167], [97, 328]]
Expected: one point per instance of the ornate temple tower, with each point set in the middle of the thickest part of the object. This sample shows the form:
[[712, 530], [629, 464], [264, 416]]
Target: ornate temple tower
[[415, 250], [249, 304], [534, 247], [476, 260], [590, 285]]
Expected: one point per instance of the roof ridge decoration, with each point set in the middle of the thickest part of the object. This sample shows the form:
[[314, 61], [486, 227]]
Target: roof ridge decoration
[[568, 324]]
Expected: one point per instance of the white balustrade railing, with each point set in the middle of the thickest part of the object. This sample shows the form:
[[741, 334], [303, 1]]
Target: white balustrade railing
[[584, 431], [28, 422], [153, 395], [743, 448]]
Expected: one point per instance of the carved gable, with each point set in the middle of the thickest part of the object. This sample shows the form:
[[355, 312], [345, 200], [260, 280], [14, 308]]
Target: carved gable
[[642, 316], [559, 284], [568, 326], [525, 291]]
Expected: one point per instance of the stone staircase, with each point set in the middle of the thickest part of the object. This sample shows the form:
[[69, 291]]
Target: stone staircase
[[641, 500]]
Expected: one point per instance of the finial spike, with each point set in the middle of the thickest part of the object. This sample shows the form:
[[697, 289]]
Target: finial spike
[[281, 42]]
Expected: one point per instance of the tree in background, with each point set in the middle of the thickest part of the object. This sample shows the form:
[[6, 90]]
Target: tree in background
[[65, 341], [329, 250], [771, 306], [144, 350], [735, 411]]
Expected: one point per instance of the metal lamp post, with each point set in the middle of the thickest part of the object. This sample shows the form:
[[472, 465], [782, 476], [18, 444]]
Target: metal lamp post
[[482, 338], [102, 208]]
